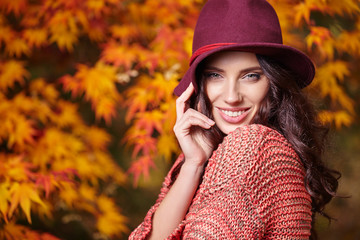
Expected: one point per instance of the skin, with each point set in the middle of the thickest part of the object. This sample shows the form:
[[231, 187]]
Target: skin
[[236, 87], [234, 84]]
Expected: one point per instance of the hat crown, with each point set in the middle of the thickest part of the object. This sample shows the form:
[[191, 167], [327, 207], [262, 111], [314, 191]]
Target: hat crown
[[237, 21]]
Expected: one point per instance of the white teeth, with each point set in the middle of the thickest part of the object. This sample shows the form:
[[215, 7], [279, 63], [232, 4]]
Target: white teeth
[[232, 114]]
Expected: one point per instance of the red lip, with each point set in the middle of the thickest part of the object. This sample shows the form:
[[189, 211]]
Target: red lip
[[233, 120]]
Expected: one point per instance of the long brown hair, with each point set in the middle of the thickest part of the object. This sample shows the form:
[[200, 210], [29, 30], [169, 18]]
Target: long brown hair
[[287, 110]]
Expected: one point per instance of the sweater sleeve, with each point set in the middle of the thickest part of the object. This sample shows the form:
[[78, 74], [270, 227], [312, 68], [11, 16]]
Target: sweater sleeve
[[275, 181], [144, 229]]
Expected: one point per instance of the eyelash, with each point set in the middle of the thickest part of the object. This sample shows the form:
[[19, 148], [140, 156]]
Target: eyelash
[[252, 76], [209, 75], [249, 76]]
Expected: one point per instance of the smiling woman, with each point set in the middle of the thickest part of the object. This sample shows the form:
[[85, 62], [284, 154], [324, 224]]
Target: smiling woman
[[236, 86], [251, 165]]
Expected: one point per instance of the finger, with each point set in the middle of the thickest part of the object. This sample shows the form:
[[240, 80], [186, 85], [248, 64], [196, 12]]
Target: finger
[[181, 101], [194, 113], [183, 127]]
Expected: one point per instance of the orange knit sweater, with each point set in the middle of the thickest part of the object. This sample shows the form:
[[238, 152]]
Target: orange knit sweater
[[252, 188]]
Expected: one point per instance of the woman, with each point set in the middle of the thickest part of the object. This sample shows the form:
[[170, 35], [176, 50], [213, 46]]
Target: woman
[[251, 165]]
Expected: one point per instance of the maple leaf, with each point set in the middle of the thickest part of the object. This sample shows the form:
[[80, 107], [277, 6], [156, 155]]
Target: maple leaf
[[349, 42], [120, 55], [6, 34], [98, 83], [327, 79], [71, 84], [47, 182], [141, 140], [67, 115], [97, 138], [302, 12], [64, 39], [108, 168], [15, 6], [139, 97], [21, 131], [323, 40], [69, 193], [17, 47], [13, 231], [141, 166], [5, 198], [149, 121], [339, 118], [23, 194], [36, 37], [96, 31], [124, 33], [110, 221], [167, 145], [10, 72], [39, 87], [17, 169]]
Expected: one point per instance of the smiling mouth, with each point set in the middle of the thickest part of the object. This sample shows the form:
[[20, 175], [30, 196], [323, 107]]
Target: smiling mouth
[[233, 113]]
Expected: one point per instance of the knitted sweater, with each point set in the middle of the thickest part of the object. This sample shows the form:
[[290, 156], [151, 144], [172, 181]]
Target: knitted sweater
[[252, 188]]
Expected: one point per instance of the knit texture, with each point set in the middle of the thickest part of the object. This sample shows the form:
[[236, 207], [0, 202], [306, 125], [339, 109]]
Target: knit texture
[[252, 188]]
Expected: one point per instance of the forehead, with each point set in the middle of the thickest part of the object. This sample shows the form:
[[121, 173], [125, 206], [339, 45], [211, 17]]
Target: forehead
[[231, 58]]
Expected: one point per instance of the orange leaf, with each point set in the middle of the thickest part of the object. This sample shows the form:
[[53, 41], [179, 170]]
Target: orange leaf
[[11, 72], [149, 121], [17, 47], [36, 37], [5, 198], [15, 6], [24, 194], [141, 166]]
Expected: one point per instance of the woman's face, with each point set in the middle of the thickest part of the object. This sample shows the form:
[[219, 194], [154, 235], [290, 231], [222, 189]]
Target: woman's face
[[236, 86]]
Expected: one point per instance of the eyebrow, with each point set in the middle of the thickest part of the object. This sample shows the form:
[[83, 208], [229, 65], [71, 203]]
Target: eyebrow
[[249, 69]]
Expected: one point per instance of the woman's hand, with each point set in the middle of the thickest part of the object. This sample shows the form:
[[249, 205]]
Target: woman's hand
[[195, 147]]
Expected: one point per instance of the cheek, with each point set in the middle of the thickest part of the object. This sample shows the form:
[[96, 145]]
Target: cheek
[[211, 90]]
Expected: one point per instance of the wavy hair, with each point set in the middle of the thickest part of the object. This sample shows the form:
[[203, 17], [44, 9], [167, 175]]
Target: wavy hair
[[287, 110]]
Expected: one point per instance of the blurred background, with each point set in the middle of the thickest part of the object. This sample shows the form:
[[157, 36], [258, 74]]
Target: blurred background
[[87, 109]]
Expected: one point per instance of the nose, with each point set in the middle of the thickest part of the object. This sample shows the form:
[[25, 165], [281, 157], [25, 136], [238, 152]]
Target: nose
[[232, 94]]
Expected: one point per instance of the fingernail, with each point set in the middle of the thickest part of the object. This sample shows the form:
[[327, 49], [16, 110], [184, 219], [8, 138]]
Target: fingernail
[[211, 122]]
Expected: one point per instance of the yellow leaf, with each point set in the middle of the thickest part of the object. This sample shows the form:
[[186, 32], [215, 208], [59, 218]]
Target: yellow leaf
[[5, 198], [97, 138], [20, 129], [98, 83], [302, 11], [167, 145], [10, 72], [69, 193], [17, 47], [120, 55], [36, 37], [339, 118], [349, 42], [110, 221], [24, 194], [6, 34], [67, 115], [39, 87], [64, 39]]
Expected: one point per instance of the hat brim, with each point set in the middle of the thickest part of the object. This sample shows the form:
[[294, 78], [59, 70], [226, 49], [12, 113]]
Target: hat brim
[[290, 57]]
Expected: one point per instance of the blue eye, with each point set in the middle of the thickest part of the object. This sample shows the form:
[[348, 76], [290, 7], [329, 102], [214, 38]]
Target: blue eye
[[252, 76], [210, 75]]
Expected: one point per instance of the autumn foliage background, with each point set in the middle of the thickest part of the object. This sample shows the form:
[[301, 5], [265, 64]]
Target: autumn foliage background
[[87, 109]]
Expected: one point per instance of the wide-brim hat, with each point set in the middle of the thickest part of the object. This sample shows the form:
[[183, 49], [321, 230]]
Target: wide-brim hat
[[243, 25]]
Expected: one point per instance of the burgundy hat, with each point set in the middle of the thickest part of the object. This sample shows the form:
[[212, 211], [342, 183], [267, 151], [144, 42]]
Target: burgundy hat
[[243, 25]]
